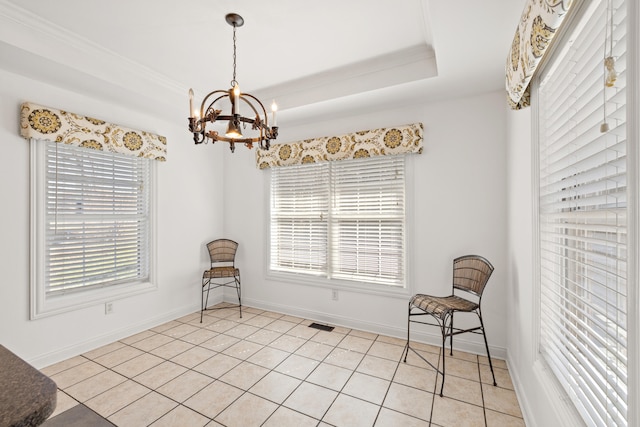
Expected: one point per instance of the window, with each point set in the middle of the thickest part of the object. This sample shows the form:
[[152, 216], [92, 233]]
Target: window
[[343, 221], [583, 218], [92, 226]]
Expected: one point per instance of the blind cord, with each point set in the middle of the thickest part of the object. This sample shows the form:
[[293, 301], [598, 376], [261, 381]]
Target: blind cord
[[610, 75]]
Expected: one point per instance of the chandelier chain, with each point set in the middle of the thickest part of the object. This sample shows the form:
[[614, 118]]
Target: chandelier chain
[[234, 81]]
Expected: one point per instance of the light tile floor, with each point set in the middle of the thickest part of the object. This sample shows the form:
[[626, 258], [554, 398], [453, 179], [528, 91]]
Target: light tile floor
[[270, 369]]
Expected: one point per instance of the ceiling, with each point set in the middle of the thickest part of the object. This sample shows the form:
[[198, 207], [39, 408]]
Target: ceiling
[[349, 53]]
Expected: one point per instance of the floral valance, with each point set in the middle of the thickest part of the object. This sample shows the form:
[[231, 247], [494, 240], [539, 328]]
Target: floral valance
[[54, 125], [376, 142], [538, 24]]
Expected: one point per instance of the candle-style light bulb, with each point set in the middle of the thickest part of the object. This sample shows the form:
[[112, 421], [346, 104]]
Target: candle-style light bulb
[[274, 109], [236, 98], [191, 112]]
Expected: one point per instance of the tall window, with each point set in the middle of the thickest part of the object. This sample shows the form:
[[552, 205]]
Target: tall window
[[341, 220], [583, 217], [93, 227]]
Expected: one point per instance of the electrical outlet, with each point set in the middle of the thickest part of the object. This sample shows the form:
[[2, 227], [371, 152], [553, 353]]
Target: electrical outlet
[[108, 308], [334, 294]]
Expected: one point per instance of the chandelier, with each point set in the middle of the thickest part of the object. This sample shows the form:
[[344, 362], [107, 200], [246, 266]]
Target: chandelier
[[210, 114]]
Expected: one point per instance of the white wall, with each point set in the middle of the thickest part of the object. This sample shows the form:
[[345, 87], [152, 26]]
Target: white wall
[[459, 208], [188, 215]]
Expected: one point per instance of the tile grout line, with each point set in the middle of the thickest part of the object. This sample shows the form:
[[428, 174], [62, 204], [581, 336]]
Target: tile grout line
[[143, 385], [323, 360], [388, 388], [484, 407], [189, 320], [271, 369], [191, 369], [279, 405], [441, 355]]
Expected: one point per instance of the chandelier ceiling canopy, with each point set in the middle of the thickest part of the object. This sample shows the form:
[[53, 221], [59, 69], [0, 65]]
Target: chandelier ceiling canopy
[[238, 103]]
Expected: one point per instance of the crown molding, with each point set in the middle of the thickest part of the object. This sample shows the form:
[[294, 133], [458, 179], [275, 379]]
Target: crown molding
[[30, 36], [404, 66]]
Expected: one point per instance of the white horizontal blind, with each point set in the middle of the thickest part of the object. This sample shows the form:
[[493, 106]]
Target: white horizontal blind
[[583, 220], [340, 220], [299, 218], [97, 219], [367, 220]]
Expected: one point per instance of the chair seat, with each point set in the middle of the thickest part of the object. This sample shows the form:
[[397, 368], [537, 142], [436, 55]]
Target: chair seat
[[440, 306], [216, 272]]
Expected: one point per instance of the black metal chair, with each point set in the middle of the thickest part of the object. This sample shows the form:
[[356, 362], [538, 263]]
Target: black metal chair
[[223, 271], [470, 276]]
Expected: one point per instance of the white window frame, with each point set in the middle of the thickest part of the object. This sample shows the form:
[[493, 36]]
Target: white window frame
[[43, 305], [352, 285], [559, 397]]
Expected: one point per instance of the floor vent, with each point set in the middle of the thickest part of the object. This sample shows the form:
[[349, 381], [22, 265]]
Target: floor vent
[[321, 327]]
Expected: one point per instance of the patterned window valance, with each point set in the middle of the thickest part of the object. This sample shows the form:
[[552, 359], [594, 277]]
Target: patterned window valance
[[538, 24], [54, 125], [376, 142]]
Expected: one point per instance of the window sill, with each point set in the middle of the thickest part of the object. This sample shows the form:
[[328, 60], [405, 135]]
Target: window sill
[[343, 285]]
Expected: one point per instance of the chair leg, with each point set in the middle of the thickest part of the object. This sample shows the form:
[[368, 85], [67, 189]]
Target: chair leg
[[486, 345], [451, 336], [204, 303], [237, 279], [444, 346], [406, 347]]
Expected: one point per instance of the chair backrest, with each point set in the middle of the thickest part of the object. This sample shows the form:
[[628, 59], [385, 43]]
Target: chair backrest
[[222, 250], [471, 273]]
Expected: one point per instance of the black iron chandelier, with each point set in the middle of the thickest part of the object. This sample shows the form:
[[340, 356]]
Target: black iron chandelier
[[209, 113]]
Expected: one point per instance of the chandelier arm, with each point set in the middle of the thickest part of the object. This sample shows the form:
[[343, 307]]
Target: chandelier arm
[[197, 125], [242, 96], [264, 111], [220, 137], [242, 119], [198, 136], [210, 107]]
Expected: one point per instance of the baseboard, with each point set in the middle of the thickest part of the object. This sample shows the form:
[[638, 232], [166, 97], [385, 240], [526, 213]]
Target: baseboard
[[559, 403], [349, 322], [98, 341], [525, 406]]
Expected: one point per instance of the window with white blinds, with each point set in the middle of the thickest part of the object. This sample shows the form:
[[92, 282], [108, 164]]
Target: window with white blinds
[[97, 219], [340, 220], [91, 227], [583, 217], [300, 218]]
